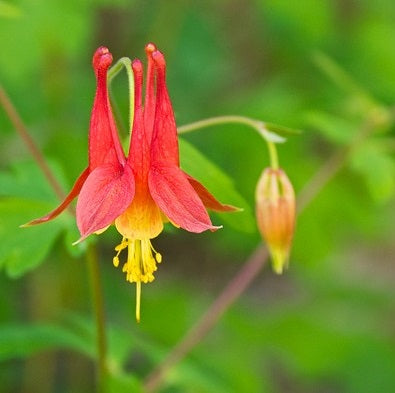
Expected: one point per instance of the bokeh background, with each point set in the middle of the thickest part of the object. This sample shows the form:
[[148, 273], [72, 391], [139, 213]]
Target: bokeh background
[[325, 67]]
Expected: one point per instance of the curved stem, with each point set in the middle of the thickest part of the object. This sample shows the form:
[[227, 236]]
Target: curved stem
[[268, 131], [212, 121], [98, 307], [257, 125], [254, 264], [124, 62]]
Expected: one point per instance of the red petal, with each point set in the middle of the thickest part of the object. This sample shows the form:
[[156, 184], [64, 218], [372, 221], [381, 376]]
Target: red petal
[[104, 144], [207, 198], [72, 194], [149, 102], [176, 198], [164, 148], [106, 194], [139, 150]]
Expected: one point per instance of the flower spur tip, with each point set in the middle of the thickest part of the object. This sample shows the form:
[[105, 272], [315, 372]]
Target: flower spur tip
[[150, 48], [159, 59], [102, 58], [102, 50], [137, 66]]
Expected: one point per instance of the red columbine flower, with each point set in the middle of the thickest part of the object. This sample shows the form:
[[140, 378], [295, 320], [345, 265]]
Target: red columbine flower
[[275, 211], [141, 192], [105, 152]]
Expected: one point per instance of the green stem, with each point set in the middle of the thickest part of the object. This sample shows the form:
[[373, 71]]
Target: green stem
[[253, 265], [257, 125], [212, 121], [98, 307], [114, 71], [273, 155], [117, 114], [268, 131]]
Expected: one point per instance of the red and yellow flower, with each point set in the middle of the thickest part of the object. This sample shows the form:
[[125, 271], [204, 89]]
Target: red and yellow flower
[[140, 192]]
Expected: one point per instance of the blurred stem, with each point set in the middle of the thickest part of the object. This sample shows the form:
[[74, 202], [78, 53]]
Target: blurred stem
[[333, 165], [98, 308], [257, 125], [273, 155], [245, 276], [263, 129], [232, 291], [23, 132], [212, 121]]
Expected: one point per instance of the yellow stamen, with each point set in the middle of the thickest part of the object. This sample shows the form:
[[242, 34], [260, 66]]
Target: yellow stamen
[[140, 265], [119, 248], [138, 300]]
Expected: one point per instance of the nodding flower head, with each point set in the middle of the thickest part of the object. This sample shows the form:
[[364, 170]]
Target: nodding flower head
[[275, 211], [139, 192]]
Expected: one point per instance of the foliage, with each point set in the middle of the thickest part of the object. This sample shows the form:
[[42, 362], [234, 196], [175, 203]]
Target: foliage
[[326, 68]]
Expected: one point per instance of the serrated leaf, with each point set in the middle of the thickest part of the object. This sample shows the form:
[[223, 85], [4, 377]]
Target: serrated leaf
[[19, 341], [217, 182], [23, 249]]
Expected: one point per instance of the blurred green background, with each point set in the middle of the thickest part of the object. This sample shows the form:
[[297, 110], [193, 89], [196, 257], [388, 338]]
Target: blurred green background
[[325, 67]]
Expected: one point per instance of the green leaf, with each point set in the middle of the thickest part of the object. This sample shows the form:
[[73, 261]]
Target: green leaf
[[336, 129], [281, 130], [378, 170], [23, 249], [217, 182], [9, 10], [19, 341], [122, 383], [343, 80], [25, 179]]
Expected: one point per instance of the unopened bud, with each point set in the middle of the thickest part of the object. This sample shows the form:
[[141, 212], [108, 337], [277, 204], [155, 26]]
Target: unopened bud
[[275, 212]]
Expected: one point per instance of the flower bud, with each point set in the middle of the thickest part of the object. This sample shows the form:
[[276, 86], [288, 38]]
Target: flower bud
[[275, 212]]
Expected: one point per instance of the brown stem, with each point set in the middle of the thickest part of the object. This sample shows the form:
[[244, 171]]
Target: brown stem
[[231, 292], [254, 264], [21, 129]]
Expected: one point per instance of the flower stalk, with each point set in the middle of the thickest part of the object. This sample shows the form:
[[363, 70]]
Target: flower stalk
[[269, 132], [124, 62], [273, 155], [98, 308], [254, 263]]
